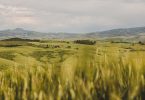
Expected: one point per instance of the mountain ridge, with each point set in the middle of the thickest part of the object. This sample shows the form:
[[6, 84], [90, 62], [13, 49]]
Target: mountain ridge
[[22, 33]]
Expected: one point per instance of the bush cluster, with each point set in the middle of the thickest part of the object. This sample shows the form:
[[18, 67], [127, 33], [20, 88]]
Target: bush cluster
[[88, 42]]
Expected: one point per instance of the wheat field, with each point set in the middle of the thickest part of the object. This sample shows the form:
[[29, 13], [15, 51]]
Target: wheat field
[[54, 70]]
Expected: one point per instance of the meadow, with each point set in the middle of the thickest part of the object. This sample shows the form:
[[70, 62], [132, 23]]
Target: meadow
[[64, 70]]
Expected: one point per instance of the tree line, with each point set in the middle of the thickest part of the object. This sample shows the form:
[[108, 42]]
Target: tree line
[[88, 42]]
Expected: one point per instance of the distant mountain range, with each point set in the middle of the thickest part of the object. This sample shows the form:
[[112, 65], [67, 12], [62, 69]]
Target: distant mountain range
[[26, 34], [131, 33]]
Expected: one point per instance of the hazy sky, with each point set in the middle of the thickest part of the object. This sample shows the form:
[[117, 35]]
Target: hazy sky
[[71, 15]]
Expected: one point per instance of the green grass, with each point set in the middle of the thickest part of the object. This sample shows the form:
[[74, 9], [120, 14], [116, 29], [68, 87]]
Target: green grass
[[7, 55], [105, 71]]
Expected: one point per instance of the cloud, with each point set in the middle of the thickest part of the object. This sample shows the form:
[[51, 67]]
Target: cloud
[[71, 15]]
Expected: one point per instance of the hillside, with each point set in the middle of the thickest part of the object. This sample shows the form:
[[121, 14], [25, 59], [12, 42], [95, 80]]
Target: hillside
[[136, 33]]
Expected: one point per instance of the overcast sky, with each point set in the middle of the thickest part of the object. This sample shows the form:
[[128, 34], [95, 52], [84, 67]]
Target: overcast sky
[[71, 15]]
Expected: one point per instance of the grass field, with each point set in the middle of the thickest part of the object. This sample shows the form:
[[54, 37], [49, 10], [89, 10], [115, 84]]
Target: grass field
[[63, 70]]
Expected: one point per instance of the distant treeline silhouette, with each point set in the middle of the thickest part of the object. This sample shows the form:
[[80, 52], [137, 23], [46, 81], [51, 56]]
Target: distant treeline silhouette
[[141, 43], [88, 42], [20, 39]]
